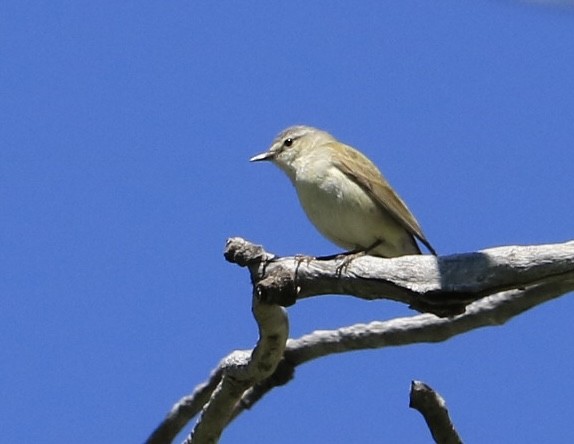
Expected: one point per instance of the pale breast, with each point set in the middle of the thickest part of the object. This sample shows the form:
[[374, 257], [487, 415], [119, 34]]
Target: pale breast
[[345, 214]]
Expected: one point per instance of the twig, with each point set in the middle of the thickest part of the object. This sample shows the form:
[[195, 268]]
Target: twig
[[433, 408]]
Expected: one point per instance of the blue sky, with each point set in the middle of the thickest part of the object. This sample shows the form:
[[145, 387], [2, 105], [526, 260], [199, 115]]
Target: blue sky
[[126, 129]]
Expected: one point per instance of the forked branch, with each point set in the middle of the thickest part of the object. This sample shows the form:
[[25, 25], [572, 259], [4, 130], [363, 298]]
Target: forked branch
[[466, 291]]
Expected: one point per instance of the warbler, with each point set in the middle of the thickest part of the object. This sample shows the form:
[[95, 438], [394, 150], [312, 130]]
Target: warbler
[[344, 194]]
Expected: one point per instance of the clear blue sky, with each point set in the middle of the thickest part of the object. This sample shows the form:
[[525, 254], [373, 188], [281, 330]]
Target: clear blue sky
[[125, 133]]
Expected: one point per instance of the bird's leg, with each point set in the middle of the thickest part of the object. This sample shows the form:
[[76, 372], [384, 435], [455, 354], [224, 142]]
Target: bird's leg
[[347, 257], [374, 245], [356, 252], [350, 256]]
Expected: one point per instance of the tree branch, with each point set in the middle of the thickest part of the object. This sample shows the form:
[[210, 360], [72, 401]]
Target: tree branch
[[524, 277], [491, 311], [443, 286], [228, 382], [185, 410], [433, 408], [241, 370]]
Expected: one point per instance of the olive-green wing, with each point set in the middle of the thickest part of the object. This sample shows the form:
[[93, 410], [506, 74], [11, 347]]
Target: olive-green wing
[[373, 182]]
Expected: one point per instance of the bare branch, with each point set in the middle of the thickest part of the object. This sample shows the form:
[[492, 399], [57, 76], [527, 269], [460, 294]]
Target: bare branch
[[234, 375], [491, 311], [443, 286], [241, 370], [433, 408], [185, 410], [484, 288]]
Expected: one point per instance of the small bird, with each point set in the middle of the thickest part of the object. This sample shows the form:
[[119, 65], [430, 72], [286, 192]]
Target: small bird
[[344, 194]]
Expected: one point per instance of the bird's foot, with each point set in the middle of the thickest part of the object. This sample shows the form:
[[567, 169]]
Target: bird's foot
[[347, 258], [300, 258]]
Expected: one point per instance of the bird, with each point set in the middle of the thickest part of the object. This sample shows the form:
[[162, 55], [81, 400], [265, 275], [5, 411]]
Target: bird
[[344, 194]]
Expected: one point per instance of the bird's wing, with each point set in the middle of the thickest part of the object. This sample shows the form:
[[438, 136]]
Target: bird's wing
[[372, 181]]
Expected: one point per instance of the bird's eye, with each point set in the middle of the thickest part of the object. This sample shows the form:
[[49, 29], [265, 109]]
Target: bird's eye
[[288, 142]]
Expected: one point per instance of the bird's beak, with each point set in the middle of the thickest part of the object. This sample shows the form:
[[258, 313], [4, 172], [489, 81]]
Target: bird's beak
[[267, 155]]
